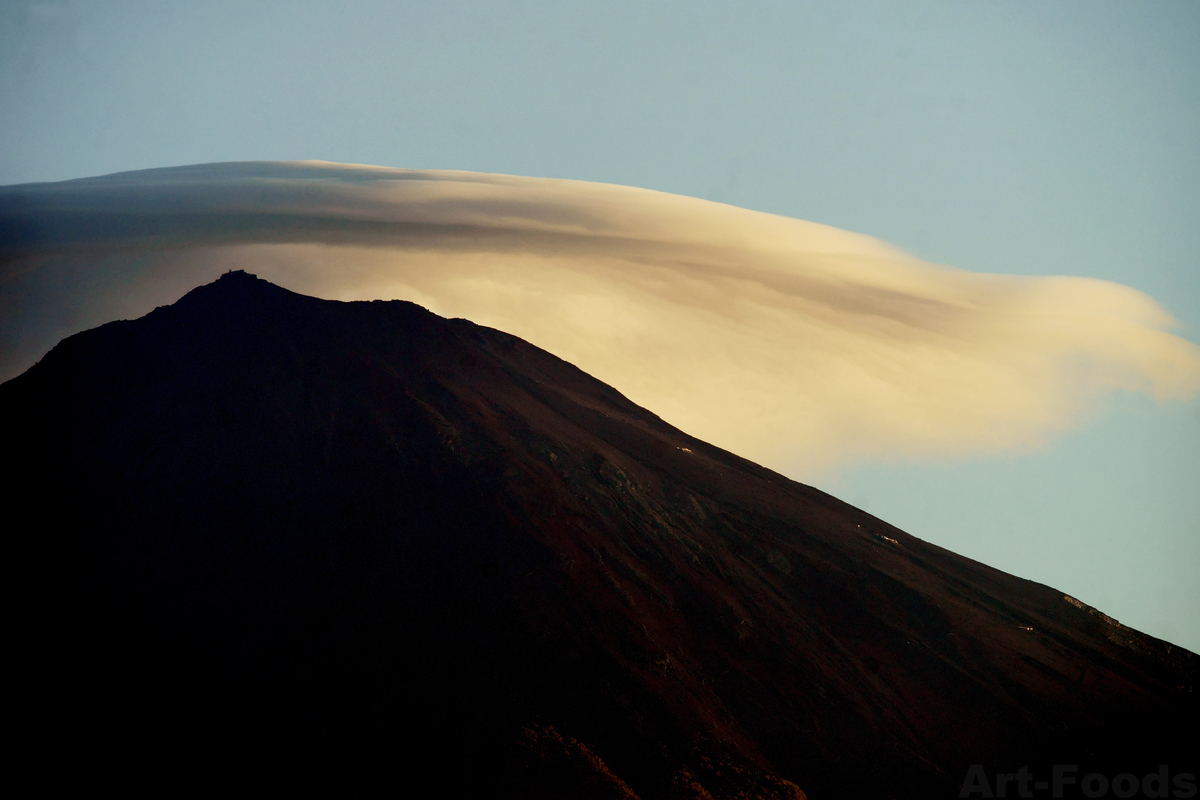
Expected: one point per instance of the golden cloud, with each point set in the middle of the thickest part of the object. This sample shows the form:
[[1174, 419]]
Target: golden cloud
[[794, 344]]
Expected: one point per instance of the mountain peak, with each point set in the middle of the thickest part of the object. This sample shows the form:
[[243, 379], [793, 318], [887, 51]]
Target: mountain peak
[[239, 286], [317, 534]]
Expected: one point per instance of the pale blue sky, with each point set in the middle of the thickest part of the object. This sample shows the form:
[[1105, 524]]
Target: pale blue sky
[[1034, 138]]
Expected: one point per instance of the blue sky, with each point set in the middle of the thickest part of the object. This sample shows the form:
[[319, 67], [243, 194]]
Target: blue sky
[[1021, 138]]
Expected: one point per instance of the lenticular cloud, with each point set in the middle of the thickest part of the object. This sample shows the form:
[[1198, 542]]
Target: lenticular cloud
[[794, 344]]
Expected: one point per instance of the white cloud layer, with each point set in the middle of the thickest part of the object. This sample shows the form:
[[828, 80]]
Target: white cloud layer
[[794, 344]]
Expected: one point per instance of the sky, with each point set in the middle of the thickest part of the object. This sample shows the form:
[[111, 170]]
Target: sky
[[1014, 139]]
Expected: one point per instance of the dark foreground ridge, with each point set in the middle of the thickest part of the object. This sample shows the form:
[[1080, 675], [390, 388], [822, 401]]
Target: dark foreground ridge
[[362, 544]]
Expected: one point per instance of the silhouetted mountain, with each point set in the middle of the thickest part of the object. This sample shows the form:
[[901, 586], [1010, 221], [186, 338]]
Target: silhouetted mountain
[[305, 540]]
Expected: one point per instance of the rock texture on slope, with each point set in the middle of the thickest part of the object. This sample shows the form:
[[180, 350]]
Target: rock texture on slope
[[359, 543]]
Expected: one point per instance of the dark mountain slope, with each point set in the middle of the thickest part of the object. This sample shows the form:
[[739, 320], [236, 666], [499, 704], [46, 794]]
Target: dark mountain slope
[[360, 543]]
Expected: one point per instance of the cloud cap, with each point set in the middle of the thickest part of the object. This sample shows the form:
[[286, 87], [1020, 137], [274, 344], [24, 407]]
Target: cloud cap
[[795, 344]]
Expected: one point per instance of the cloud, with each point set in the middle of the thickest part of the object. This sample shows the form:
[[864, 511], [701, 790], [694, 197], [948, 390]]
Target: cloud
[[797, 345]]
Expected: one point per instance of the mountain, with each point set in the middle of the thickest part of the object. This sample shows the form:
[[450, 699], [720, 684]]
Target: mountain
[[299, 542]]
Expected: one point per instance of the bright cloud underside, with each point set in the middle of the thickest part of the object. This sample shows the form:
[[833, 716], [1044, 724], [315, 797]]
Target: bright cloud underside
[[794, 344]]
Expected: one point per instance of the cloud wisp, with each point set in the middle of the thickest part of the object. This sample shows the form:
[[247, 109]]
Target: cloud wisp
[[797, 345]]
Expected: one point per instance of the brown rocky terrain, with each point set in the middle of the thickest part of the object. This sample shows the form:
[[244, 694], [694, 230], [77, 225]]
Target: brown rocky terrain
[[357, 544]]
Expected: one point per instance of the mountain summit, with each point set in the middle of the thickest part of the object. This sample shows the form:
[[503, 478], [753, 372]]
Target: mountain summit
[[307, 540]]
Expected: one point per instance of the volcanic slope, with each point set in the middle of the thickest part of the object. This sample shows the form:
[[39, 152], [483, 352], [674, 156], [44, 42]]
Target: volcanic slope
[[312, 541]]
